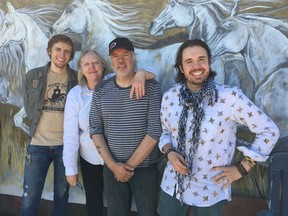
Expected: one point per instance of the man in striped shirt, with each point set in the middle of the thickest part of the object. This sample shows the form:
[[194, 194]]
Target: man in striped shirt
[[125, 132]]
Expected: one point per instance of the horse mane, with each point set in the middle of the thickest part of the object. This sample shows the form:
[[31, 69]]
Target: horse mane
[[2, 17], [125, 20], [12, 56], [225, 7], [43, 14], [13, 71], [279, 24], [2, 13]]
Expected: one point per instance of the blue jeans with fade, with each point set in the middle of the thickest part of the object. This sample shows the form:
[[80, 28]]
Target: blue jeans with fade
[[38, 160], [143, 185]]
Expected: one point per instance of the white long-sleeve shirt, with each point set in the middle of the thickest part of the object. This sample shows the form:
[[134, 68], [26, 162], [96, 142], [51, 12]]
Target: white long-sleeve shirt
[[217, 141], [76, 130]]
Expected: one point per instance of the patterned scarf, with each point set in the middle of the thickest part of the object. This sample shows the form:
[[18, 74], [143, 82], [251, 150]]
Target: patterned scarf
[[194, 102]]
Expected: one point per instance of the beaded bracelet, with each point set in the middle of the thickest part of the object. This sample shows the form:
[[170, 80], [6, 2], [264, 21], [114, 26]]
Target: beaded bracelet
[[241, 169], [168, 151], [250, 161]]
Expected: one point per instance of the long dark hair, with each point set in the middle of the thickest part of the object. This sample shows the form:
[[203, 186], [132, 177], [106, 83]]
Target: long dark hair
[[180, 78]]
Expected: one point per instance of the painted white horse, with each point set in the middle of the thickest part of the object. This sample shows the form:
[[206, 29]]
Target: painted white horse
[[201, 19], [100, 22], [11, 72], [27, 28], [265, 50]]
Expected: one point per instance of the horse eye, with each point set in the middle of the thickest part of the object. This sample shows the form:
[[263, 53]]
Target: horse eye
[[8, 24], [68, 10]]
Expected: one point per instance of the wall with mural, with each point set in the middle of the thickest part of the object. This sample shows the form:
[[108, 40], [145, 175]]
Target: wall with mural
[[248, 40]]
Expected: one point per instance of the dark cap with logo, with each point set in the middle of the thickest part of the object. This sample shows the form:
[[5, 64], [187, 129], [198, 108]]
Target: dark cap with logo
[[120, 42]]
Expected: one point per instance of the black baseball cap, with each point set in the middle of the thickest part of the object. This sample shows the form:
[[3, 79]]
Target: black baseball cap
[[120, 42]]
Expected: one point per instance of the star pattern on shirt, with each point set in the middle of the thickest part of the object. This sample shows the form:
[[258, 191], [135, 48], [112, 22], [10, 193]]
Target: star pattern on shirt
[[212, 120], [250, 114], [219, 121], [205, 198], [220, 113], [239, 109], [217, 156], [188, 185]]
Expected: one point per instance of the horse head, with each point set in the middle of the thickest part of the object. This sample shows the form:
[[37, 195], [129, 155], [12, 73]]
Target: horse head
[[13, 30], [173, 15], [231, 36], [72, 19]]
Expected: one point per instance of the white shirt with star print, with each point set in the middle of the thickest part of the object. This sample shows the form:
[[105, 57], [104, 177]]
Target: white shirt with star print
[[217, 141]]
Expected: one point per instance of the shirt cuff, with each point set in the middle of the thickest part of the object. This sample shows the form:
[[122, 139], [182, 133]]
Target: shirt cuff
[[164, 139], [71, 171]]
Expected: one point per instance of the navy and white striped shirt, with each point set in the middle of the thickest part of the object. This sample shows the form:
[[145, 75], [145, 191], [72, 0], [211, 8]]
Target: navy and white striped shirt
[[124, 122]]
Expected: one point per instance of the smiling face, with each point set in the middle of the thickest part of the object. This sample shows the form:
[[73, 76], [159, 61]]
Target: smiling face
[[123, 63], [60, 55], [195, 67], [92, 68]]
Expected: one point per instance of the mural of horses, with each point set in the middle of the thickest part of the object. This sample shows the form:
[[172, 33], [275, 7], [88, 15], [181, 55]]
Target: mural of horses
[[201, 19], [11, 74], [29, 28], [25, 31], [98, 22], [101, 21], [265, 50]]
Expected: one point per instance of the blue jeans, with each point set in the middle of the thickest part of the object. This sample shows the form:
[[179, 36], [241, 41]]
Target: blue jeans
[[171, 206], [143, 185], [38, 160]]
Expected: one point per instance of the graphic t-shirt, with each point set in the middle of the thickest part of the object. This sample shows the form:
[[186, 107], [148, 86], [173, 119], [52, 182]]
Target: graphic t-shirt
[[49, 130]]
